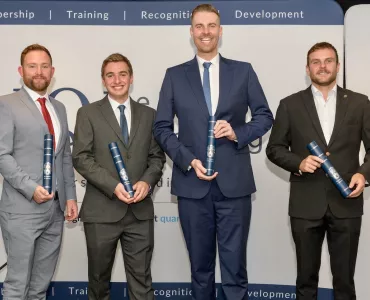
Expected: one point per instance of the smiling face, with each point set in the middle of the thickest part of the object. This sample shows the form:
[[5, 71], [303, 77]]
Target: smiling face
[[206, 31], [36, 71], [117, 80], [323, 67]]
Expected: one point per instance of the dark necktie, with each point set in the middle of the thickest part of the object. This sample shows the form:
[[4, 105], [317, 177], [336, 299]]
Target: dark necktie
[[207, 86], [124, 127]]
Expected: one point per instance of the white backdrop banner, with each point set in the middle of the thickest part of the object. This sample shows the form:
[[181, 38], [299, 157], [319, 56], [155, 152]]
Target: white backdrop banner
[[357, 48], [272, 35]]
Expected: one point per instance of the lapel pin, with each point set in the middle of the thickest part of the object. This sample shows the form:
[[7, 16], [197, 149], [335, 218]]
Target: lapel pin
[[345, 96]]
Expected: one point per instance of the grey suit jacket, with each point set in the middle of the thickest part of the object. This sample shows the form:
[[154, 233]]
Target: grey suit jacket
[[96, 127], [22, 133]]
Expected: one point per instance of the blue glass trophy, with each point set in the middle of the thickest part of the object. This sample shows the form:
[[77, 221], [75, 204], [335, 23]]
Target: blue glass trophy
[[120, 167], [47, 173], [329, 169], [211, 147]]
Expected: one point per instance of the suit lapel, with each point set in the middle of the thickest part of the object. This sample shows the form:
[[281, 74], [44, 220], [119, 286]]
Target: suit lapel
[[309, 103], [226, 80], [340, 113], [193, 76], [107, 112], [135, 120], [26, 99]]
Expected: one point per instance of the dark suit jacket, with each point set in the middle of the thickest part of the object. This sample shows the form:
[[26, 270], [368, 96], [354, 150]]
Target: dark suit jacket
[[182, 95], [296, 125], [96, 127]]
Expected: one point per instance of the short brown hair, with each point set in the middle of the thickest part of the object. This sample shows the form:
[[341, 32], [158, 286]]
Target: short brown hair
[[204, 7], [34, 47], [116, 57], [320, 46]]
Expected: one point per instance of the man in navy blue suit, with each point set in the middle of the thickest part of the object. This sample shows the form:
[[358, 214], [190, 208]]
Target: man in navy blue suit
[[217, 205]]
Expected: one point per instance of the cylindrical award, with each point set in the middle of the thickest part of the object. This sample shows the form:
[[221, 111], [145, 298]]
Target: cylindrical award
[[211, 147], [121, 169], [47, 173], [329, 169]]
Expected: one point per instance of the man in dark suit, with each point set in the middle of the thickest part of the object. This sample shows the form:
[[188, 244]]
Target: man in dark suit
[[31, 219], [217, 205], [108, 212], [338, 120]]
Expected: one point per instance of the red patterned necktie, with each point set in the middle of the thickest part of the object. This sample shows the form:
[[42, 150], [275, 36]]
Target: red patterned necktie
[[47, 117]]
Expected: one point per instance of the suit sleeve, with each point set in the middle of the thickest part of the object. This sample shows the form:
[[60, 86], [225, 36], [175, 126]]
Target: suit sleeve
[[163, 129], [84, 159], [156, 161], [278, 147], [68, 173], [9, 167], [262, 117], [365, 167]]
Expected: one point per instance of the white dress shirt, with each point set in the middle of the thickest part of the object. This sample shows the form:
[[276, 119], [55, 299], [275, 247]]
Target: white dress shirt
[[214, 78], [53, 115], [326, 110], [117, 111]]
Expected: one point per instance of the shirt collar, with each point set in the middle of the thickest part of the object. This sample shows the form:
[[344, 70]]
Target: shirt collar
[[34, 96], [115, 104], [215, 61], [317, 92]]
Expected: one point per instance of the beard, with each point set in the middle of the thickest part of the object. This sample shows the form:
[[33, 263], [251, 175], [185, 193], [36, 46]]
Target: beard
[[37, 85], [324, 82]]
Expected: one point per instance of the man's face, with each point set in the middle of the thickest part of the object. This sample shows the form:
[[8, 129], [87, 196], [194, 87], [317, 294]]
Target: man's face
[[322, 67], [37, 71], [117, 80], [206, 31]]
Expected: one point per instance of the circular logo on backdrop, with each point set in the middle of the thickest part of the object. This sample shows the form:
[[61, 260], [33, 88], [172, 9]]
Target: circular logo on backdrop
[[123, 175]]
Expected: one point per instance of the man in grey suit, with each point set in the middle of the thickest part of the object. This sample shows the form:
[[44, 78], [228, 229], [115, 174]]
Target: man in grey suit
[[32, 219], [108, 212]]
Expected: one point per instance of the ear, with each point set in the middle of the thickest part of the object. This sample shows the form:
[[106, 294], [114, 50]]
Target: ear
[[131, 79], [20, 71], [338, 67], [52, 71], [220, 34]]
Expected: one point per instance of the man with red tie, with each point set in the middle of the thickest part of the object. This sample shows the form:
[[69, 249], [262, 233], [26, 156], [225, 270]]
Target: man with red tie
[[31, 219]]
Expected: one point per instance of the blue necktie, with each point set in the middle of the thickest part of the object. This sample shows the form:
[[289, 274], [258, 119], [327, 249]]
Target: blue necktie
[[207, 86], [124, 127]]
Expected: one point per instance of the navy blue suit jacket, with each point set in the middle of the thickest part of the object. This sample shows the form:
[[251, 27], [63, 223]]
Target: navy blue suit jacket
[[182, 96]]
